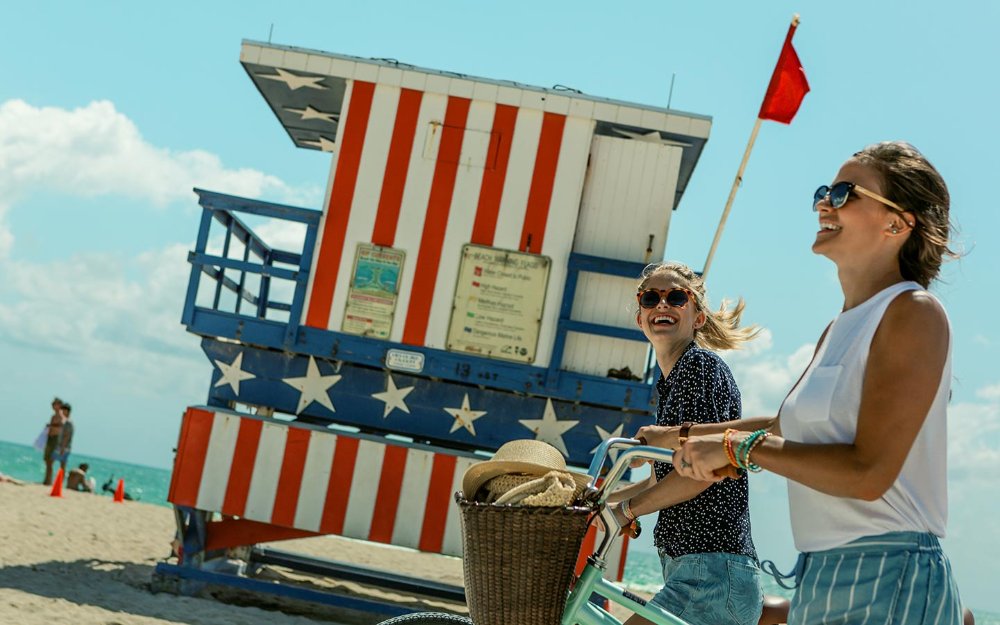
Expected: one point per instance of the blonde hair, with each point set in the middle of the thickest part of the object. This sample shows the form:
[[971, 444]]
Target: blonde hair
[[722, 329]]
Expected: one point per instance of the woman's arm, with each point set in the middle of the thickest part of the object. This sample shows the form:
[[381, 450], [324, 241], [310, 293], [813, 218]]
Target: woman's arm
[[903, 372], [670, 491], [633, 489], [666, 435]]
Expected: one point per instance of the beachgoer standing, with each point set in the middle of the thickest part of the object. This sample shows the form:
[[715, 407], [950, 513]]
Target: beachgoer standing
[[52, 439], [65, 442], [862, 436], [710, 569]]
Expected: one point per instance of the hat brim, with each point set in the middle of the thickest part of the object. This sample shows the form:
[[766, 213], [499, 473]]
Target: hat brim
[[482, 472]]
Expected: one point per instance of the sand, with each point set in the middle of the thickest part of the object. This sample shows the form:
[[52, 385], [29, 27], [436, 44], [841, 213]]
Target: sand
[[84, 560]]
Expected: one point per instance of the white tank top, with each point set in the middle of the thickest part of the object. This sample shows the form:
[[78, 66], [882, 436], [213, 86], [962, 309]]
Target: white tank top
[[823, 408]]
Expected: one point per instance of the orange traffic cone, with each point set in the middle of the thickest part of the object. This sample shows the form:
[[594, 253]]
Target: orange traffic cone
[[57, 485], [120, 492]]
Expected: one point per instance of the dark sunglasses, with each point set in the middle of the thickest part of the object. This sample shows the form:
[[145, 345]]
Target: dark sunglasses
[[841, 192], [676, 297]]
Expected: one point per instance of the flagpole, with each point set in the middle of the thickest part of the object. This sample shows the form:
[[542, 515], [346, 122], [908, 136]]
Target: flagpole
[[732, 196], [746, 157]]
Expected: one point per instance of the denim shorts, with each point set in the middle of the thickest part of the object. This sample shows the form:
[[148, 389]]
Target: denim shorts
[[711, 588], [899, 578]]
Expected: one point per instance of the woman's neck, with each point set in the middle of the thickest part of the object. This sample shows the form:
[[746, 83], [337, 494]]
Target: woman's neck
[[668, 356], [859, 284]]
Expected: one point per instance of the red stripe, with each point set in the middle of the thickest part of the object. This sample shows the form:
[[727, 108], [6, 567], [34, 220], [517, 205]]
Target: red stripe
[[338, 211], [623, 553], [396, 167], [241, 470], [491, 191], [542, 181], [586, 550], [438, 502], [293, 465], [338, 492], [436, 220], [192, 448], [390, 486]]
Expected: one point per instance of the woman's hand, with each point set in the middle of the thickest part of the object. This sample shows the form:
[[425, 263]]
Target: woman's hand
[[703, 458], [659, 435]]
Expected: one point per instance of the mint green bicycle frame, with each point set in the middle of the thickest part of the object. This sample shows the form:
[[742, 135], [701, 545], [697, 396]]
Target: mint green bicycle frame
[[579, 610]]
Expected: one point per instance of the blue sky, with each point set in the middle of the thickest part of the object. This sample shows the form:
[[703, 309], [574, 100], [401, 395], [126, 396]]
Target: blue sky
[[111, 112]]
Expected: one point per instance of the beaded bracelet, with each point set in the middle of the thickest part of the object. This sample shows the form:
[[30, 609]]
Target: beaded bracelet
[[727, 444], [746, 447]]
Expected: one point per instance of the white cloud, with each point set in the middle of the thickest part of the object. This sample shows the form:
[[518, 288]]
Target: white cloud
[[95, 151], [764, 377]]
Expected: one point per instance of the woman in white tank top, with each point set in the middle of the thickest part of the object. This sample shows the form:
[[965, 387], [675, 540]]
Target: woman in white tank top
[[862, 435]]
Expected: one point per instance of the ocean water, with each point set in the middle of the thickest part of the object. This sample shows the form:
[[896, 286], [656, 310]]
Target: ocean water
[[149, 484]]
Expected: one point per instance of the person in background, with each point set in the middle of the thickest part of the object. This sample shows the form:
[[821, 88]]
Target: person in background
[[862, 436], [710, 570], [79, 480], [65, 440], [52, 439]]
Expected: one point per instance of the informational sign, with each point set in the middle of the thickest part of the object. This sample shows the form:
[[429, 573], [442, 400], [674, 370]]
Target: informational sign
[[371, 299], [498, 303]]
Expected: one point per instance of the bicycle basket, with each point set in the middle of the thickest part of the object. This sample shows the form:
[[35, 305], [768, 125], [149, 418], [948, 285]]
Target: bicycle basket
[[518, 560]]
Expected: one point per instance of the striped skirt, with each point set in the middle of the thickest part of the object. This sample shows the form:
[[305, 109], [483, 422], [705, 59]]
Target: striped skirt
[[899, 578]]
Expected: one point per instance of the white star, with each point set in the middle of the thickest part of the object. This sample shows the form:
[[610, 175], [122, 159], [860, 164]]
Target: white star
[[310, 113], [294, 82], [548, 428], [323, 143], [233, 373], [314, 387], [464, 416], [603, 435], [393, 398]]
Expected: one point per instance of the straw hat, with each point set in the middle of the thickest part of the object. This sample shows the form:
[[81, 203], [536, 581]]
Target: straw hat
[[526, 456]]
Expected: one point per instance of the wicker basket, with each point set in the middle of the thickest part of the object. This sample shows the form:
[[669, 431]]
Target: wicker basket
[[518, 561]]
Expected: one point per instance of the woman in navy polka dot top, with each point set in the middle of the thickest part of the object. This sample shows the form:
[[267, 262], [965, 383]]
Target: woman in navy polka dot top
[[710, 569]]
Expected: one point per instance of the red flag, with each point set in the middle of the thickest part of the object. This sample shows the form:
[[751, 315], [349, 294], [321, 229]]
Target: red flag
[[788, 84]]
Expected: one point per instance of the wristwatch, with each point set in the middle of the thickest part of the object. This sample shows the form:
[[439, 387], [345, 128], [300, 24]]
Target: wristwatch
[[682, 436]]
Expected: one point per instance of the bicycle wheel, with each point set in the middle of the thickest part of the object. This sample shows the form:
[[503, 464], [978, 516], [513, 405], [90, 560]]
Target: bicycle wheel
[[428, 618]]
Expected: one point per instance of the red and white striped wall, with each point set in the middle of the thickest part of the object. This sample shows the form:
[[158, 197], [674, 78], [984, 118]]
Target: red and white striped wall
[[429, 172], [318, 481]]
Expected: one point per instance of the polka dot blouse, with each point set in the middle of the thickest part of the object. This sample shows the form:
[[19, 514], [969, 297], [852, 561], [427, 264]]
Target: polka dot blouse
[[701, 389]]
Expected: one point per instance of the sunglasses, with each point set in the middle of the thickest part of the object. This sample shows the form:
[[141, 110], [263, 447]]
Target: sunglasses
[[676, 297], [839, 193]]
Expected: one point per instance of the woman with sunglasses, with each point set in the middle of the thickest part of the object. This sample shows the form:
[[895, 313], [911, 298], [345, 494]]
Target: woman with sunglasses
[[710, 566], [862, 436]]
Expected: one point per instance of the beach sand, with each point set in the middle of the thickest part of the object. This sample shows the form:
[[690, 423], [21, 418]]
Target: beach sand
[[82, 559]]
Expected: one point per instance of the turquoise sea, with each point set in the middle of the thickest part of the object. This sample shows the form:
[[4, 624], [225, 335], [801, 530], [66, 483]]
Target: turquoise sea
[[149, 484]]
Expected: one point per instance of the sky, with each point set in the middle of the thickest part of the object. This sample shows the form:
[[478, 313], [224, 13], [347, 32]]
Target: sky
[[111, 112]]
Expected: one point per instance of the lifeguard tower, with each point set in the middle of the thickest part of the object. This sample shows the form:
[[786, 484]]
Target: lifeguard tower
[[465, 283]]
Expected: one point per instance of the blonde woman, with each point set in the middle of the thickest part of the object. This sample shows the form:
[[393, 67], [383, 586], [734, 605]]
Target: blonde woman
[[710, 569]]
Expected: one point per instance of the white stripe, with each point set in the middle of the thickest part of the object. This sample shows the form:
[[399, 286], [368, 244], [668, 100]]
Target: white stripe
[[913, 583], [452, 542], [414, 204], [878, 578], [517, 183], [560, 227], [833, 584], [266, 471], [315, 481], [364, 489], [819, 573], [413, 498], [338, 142], [946, 595], [854, 585], [461, 217], [367, 190], [218, 461]]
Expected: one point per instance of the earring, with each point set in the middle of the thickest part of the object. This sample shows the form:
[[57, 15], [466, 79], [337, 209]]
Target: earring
[[894, 230]]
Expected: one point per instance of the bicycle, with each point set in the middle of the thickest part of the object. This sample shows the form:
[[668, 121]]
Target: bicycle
[[579, 610]]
